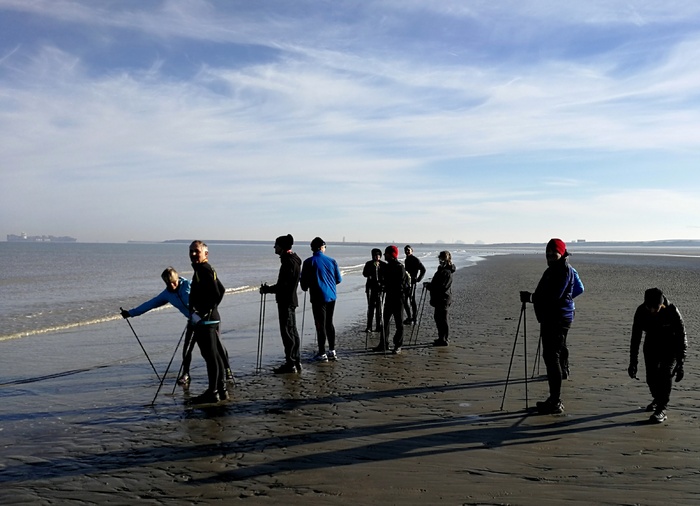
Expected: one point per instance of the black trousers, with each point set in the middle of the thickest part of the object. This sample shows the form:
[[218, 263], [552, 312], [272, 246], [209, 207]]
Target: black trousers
[[323, 320], [659, 366], [207, 338], [288, 331], [374, 304], [553, 342], [189, 346], [443, 327], [393, 308], [410, 304]]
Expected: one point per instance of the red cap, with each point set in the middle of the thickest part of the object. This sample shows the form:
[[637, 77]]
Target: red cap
[[392, 251], [558, 246]]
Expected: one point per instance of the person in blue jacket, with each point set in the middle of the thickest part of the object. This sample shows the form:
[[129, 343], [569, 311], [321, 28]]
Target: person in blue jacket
[[554, 308], [319, 276], [177, 293]]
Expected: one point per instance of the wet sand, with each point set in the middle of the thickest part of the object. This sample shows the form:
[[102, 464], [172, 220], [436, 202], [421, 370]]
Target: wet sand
[[424, 427]]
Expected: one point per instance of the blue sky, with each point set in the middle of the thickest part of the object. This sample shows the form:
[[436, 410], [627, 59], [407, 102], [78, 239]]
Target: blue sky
[[377, 121]]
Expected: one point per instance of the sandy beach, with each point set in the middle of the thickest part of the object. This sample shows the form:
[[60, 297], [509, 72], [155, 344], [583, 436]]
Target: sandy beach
[[424, 427]]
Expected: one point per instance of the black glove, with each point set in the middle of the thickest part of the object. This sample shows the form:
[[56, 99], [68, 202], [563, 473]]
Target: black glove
[[525, 297], [264, 288], [125, 313], [632, 370], [678, 372]]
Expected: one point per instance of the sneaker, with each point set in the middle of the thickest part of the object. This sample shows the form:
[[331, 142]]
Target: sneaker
[[297, 364], [550, 407], [440, 342], [208, 397], [396, 351], [184, 380], [321, 357], [229, 374], [407, 321], [332, 355], [380, 347], [651, 407], [285, 368], [223, 394], [659, 416]]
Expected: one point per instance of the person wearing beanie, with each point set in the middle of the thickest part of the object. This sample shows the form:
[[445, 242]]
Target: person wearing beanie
[[440, 288], [554, 308], [319, 276], [665, 345], [416, 270], [373, 290], [394, 279], [285, 291]]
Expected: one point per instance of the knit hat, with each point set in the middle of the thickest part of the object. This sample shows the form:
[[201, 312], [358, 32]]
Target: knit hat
[[557, 245], [653, 297], [392, 251], [317, 243], [285, 242]]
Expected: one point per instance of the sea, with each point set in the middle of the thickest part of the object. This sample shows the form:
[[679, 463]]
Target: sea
[[53, 287], [64, 292]]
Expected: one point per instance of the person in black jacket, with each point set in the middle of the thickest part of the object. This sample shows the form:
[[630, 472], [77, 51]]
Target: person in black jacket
[[394, 278], [285, 291], [440, 288], [373, 289], [665, 345], [205, 295], [416, 270]]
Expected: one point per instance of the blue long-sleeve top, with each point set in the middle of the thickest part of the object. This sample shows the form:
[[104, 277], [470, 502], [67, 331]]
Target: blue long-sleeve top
[[180, 298], [319, 275]]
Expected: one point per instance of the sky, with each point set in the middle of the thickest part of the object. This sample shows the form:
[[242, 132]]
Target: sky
[[374, 121]]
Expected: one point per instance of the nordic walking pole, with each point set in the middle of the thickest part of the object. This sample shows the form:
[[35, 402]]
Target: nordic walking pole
[[190, 347], [261, 332], [421, 302], [144, 349], [168, 368], [537, 358], [525, 351], [303, 314], [515, 341]]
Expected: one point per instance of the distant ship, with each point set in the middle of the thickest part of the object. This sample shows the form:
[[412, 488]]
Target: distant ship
[[38, 238]]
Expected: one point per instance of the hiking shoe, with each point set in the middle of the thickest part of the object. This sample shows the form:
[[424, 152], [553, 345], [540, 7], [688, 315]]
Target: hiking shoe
[[550, 407], [332, 355], [659, 416], [297, 364], [650, 407], [440, 342], [223, 394], [208, 397], [396, 351], [184, 380], [286, 368], [321, 357], [407, 321]]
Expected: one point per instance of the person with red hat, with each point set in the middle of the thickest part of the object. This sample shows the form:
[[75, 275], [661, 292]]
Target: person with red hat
[[554, 308], [394, 278]]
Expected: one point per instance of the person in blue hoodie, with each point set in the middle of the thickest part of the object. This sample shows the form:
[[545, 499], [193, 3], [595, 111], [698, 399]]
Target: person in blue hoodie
[[177, 293], [319, 276], [554, 308]]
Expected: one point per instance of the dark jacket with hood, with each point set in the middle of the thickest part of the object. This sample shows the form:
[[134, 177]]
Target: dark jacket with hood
[[665, 335], [285, 289], [441, 286], [553, 298]]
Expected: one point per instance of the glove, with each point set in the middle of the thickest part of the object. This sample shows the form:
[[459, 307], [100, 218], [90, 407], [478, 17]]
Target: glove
[[632, 370], [263, 288], [195, 319], [125, 313], [678, 372], [525, 297]]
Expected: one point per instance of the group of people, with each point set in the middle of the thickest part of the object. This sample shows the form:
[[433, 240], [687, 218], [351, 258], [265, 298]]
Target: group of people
[[391, 289], [665, 340]]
